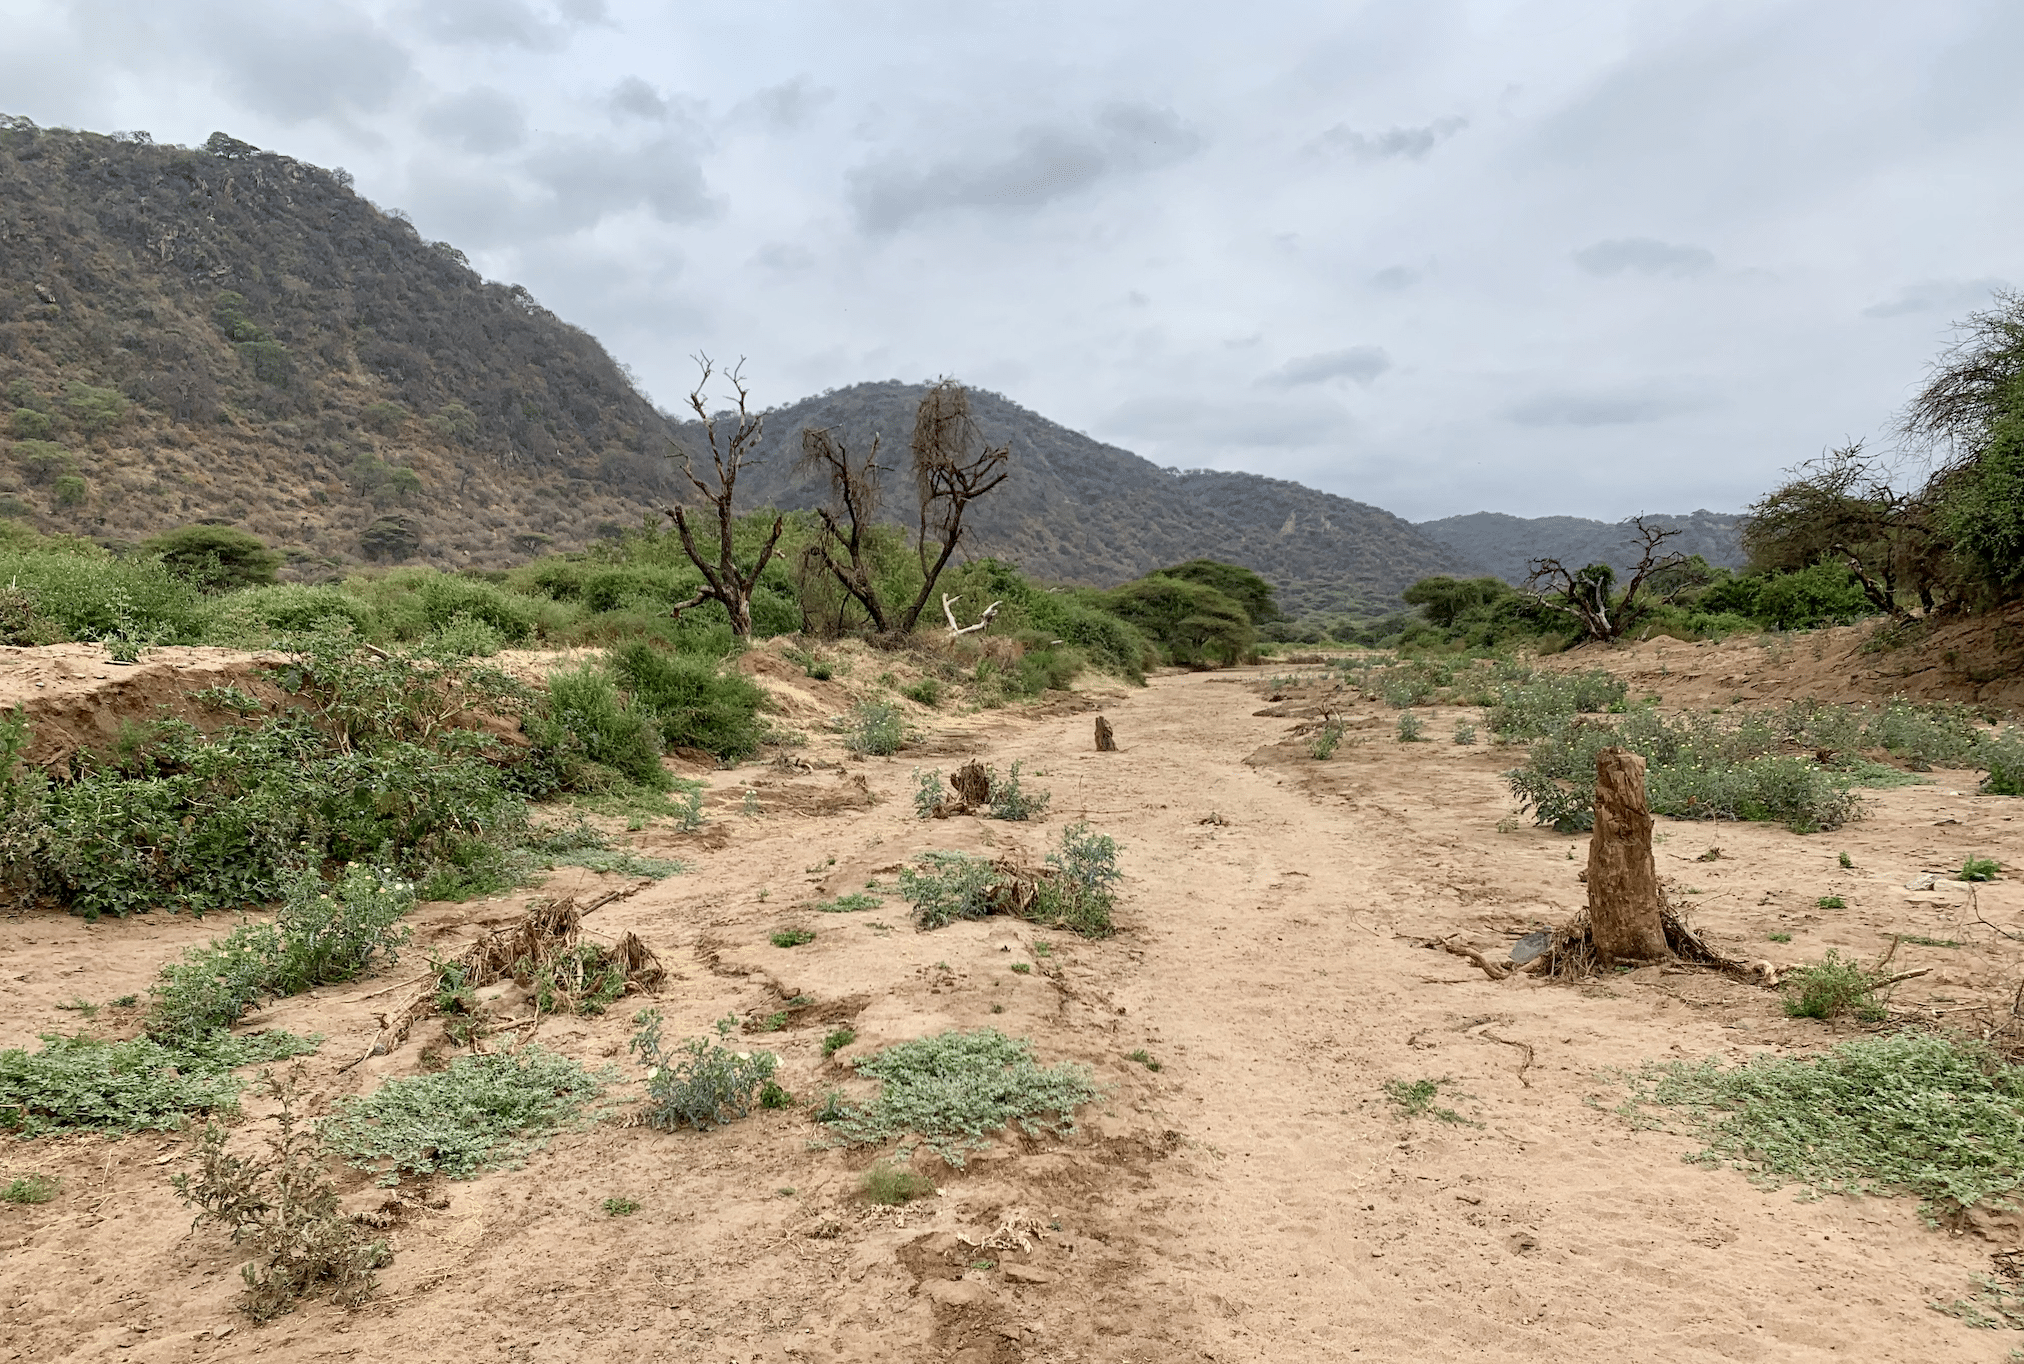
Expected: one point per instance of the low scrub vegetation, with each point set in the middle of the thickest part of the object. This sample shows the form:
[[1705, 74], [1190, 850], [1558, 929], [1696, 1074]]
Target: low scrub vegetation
[[701, 1084], [80, 1082], [956, 1088], [1937, 1117], [1076, 890]]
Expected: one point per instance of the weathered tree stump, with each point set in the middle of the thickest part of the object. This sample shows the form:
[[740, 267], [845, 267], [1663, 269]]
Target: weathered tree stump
[[971, 784], [1623, 881], [1104, 742]]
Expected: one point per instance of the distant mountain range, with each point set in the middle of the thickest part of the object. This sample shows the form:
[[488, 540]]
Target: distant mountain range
[[1504, 545], [226, 334]]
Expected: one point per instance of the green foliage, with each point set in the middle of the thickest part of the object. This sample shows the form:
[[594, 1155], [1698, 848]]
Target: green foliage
[[890, 1185], [1979, 869], [69, 491], [1830, 988], [1830, 902], [851, 903], [703, 1084], [1415, 1099], [26, 1189], [1982, 505], [1444, 599], [1541, 703], [954, 1088], [837, 1040], [1009, 800], [285, 1207], [141, 1085], [929, 792], [588, 736], [1240, 585], [456, 422], [946, 886], [323, 934], [1192, 623], [926, 692], [94, 409], [1144, 1058], [216, 558], [483, 1112], [791, 937], [1327, 739], [620, 1207], [1939, 1117], [27, 424], [1083, 891], [1465, 733], [878, 728], [1411, 729], [384, 417], [696, 703], [2002, 758]]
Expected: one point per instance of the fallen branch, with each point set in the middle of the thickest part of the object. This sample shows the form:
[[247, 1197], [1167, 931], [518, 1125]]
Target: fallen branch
[[955, 630]]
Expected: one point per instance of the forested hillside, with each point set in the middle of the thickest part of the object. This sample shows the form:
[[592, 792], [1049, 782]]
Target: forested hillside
[[1077, 510], [225, 334]]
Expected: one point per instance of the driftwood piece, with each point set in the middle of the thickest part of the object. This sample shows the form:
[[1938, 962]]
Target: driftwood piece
[[1105, 743], [1623, 881], [955, 630], [1490, 969]]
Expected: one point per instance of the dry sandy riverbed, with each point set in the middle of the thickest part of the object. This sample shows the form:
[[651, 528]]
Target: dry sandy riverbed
[[1255, 1199]]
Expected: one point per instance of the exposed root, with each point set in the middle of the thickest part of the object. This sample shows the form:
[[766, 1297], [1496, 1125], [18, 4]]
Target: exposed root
[[1572, 953]]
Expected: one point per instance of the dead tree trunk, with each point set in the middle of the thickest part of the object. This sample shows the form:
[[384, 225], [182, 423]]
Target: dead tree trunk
[[1623, 881], [1105, 743]]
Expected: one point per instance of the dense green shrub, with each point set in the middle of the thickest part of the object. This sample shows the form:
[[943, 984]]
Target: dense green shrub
[[1192, 623], [1240, 585], [702, 1084], [294, 608], [84, 1082], [696, 703], [1083, 890], [587, 735], [216, 558], [946, 886]]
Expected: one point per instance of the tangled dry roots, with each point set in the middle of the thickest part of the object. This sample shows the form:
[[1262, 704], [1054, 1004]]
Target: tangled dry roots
[[1572, 953], [546, 935]]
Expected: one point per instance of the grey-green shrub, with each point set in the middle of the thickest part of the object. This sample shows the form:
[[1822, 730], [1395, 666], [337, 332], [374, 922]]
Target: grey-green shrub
[[701, 1084], [956, 1088], [946, 886]]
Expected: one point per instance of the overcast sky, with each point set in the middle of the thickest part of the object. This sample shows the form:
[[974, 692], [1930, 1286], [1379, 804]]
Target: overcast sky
[[1553, 257]]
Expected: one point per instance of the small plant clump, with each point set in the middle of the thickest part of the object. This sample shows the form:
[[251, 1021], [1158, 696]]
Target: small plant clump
[[954, 1088], [1083, 891], [1412, 729], [929, 793], [700, 1085], [1326, 739], [876, 728], [1830, 902], [140, 1085], [1833, 987], [1979, 869], [851, 902], [792, 937], [1144, 1058], [946, 886], [30, 1189], [890, 1185], [1465, 733], [1010, 801], [837, 1041], [926, 692], [482, 1112], [620, 1207], [285, 1206], [1415, 1099], [1847, 862]]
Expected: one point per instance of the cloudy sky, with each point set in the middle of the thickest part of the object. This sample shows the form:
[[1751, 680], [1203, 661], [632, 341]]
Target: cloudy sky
[[1536, 257]]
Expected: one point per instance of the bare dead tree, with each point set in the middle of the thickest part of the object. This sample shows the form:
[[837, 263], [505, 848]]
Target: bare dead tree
[[953, 466], [856, 496], [723, 580], [1588, 594]]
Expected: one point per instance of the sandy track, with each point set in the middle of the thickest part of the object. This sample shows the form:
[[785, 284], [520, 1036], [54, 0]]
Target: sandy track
[[1256, 1199]]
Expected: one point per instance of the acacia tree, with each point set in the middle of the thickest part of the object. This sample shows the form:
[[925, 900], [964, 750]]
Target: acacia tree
[[723, 581], [1847, 505], [1587, 594], [953, 466]]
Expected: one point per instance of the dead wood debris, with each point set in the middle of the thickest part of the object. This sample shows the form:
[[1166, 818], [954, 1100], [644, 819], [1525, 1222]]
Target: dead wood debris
[[1571, 955], [546, 936], [969, 790]]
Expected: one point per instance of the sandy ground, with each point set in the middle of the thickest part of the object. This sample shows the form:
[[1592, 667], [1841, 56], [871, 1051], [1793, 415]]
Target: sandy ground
[[1256, 1199]]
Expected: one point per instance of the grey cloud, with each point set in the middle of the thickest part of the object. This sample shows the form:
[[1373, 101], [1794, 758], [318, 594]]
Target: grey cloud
[[478, 120], [1598, 409], [1394, 278], [635, 97], [587, 179], [505, 23], [1411, 143], [1050, 162], [296, 69], [1361, 363], [784, 107], [1644, 255], [1227, 422], [1936, 294]]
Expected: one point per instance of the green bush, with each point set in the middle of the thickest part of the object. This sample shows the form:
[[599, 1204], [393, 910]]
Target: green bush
[[946, 886], [1830, 988], [43, 460], [483, 1112], [586, 728], [215, 558], [1011, 801], [1193, 623], [700, 1084], [27, 424], [1083, 892], [926, 692], [695, 702], [955, 1088], [890, 1185], [94, 409], [2002, 758], [877, 728], [293, 608], [25, 1189]]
